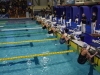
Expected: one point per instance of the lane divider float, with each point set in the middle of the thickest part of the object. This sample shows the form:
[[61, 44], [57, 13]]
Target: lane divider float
[[27, 41], [36, 55]]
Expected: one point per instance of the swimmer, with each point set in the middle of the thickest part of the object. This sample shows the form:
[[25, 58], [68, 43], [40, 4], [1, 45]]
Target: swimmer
[[85, 55], [52, 30], [64, 37], [44, 27], [55, 27], [46, 24]]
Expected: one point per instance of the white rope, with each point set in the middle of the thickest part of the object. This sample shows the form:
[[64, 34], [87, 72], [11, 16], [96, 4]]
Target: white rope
[[1, 26]]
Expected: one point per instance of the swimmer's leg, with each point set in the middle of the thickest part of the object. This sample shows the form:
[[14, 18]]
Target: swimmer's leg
[[91, 70]]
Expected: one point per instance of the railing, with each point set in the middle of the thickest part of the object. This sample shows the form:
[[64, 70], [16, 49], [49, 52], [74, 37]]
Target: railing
[[86, 1]]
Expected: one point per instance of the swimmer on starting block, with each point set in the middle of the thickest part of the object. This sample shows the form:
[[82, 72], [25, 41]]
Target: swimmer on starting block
[[85, 55]]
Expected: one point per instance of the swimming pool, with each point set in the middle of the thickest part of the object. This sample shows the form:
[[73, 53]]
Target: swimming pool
[[63, 64]]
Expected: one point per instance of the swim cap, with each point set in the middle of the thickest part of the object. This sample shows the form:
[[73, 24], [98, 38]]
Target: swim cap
[[84, 45]]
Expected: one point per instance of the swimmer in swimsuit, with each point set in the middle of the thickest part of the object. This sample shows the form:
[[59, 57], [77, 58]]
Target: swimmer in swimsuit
[[64, 37], [85, 55]]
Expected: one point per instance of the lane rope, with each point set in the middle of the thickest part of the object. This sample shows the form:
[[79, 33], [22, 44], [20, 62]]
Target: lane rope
[[1, 26], [16, 26], [22, 34], [27, 41], [36, 55], [21, 29]]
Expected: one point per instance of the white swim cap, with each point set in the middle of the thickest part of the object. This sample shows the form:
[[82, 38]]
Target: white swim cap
[[85, 45]]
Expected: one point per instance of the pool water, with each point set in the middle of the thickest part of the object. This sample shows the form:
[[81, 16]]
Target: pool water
[[62, 64]]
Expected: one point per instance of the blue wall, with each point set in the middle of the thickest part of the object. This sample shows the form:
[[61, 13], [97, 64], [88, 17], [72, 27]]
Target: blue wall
[[74, 11], [87, 11]]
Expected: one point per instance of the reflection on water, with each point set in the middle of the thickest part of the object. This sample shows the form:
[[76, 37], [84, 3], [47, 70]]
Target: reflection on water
[[29, 62], [44, 62]]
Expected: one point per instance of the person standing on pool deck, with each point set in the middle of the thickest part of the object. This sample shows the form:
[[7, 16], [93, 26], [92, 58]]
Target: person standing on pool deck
[[30, 12], [63, 18], [85, 55], [83, 20], [55, 15], [93, 24], [16, 12]]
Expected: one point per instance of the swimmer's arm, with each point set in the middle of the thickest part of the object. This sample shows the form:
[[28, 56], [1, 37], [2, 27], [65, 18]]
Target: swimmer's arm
[[88, 47], [91, 56], [94, 54], [89, 53]]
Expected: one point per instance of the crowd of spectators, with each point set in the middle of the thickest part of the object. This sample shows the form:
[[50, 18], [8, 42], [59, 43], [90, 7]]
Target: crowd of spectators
[[13, 7]]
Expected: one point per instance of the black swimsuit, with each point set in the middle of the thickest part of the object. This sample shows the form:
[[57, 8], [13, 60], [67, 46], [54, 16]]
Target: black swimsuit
[[82, 59], [50, 32]]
